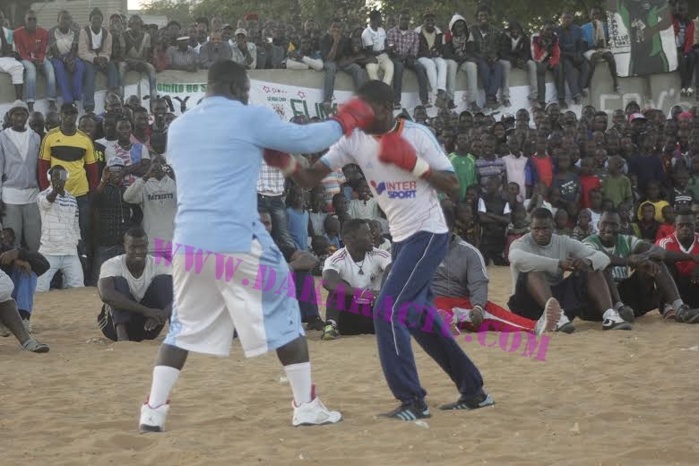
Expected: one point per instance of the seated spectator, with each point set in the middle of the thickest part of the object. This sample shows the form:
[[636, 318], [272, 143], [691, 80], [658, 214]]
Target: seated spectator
[[460, 55], [466, 224], [650, 285], [332, 228], [318, 211], [403, 47], [516, 53], [353, 277], [160, 60], [682, 196], [156, 194], [31, 43], [95, 50], [654, 197], [11, 321], [460, 286], [685, 240], [340, 207], [566, 183], [137, 54], [182, 57], [666, 228], [517, 228], [374, 40], [539, 166], [23, 267], [596, 38], [365, 206], [584, 226], [576, 69], [546, 53], [37, 123], [297, 217], [8, 61], [302, 264], [647, 224], [493, 216], [538, 261], [60, 232], [244, 52], [617, 187], [19, 155], [488, 43], [136, 292], [113, 216], [430, 55], [63, 50], [214, 50], [464, 164], [561, 222], [377, 234], [305, 57], [685, 32]]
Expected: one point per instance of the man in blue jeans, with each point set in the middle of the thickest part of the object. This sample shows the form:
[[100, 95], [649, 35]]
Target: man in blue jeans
[[406, 167], [403, 46], [136, 292], [31, 43], [488, 40], [334, 47]]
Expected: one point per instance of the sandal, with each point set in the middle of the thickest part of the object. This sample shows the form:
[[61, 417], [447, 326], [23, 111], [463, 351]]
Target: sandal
[[35, 347]]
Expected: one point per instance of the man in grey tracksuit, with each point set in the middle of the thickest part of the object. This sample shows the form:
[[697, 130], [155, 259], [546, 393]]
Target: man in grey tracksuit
[[19, 185]]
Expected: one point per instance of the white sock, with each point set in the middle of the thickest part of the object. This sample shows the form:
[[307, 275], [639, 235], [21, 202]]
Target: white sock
[[677, 304], [299, 376], [164, 378], [611, 314]]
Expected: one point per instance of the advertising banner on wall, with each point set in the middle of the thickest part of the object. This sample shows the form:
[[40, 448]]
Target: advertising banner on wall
[[641, 36]]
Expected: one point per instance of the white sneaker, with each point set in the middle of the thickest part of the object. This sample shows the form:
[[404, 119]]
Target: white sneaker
[[564, 324], [690, 91], [613, 321], [153, 419], [550, 317], [314, 414]]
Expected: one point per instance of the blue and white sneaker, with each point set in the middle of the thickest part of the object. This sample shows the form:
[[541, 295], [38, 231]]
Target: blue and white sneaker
[[409, 412], [481, 401]]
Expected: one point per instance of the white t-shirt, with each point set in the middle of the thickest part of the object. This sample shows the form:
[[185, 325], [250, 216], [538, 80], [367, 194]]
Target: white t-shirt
[[116, 267], [367, 211], [410, 204], [373, 266], [374, 39]]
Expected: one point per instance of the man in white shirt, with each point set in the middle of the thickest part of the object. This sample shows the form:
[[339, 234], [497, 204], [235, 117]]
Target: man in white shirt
[[156, 193], [374, 40], [406, 166], [352, 276], [60, 232], [136, 291], [19, 157]]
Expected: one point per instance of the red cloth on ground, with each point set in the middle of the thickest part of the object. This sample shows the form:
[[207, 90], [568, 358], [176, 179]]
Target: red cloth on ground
[[507, 321]]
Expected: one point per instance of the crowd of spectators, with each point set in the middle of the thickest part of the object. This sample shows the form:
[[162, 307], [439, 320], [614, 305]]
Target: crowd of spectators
[[73, 187]]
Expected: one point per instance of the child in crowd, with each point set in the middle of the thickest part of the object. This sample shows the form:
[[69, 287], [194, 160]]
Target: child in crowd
[[562, 223], [539, 165], [583, 228], [494, 216], [588, 181], [539, 198], [668, 226], [321, 247], [647, 224], [318, 212], [518, 228], [365, 206], [464, 164], [332, 231], [595, 209], [654, 197], [297, 217], [566, 183], [466, 225], [617, 186], [681, 195], [627, 227]]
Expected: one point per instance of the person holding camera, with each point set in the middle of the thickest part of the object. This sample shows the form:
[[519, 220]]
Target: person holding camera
[[60, 232], [353, 276], [156, 193]]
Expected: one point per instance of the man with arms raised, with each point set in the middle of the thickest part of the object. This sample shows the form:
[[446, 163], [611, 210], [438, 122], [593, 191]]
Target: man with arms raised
[[651, 284], [538, 261], [217, 214]]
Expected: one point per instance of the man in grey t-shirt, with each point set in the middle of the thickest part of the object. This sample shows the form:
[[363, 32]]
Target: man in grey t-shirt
[[538, 261]]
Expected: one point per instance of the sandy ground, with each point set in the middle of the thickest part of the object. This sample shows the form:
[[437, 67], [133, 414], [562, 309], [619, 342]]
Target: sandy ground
[[599, 398]]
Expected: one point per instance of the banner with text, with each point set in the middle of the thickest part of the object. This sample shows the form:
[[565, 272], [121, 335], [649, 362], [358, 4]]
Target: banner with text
[[641, 37]]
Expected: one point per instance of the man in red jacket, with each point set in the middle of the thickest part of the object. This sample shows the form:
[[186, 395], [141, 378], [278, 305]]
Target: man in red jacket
[[546, 54], [31, 42]]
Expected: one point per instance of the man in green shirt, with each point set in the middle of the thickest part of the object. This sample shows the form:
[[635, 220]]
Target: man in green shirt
[[464, 164], [617, 187], [651, 285], [645, 20]]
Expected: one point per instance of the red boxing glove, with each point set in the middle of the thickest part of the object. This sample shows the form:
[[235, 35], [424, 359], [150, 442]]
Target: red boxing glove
[[399, 152], [281, 160], [354, 114]]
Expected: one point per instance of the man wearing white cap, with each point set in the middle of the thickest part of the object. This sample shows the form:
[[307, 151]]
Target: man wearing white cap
[[19, 155], [244, 52], [182, 57]]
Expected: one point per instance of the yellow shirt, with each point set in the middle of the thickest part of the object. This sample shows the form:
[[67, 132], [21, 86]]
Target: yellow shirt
[[658, 209], [73, 153]]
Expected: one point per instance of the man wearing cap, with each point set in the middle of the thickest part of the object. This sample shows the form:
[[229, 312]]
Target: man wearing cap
[[73, 149], [244, 52], [8, 63], [182, 57], [214, 50], [112, 214], [60, 231], [95, 50], [137, 54], [31, 43], [19, 155]]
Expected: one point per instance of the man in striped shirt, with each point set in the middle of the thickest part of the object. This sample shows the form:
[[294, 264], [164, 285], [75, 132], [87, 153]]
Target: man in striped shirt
[[651, 285]]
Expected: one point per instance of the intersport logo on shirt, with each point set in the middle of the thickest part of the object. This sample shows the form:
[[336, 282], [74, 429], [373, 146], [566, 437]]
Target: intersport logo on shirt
[[395, 189]]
